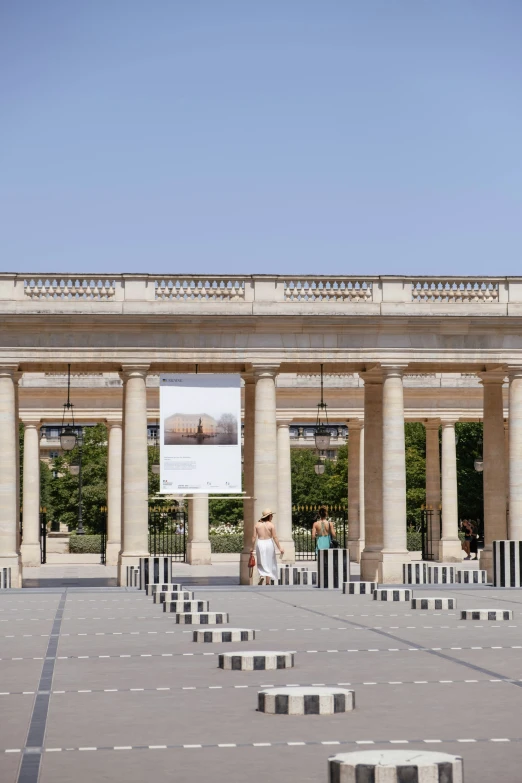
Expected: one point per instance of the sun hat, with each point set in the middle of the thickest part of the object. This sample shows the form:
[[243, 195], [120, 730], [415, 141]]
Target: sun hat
[[267, 513]]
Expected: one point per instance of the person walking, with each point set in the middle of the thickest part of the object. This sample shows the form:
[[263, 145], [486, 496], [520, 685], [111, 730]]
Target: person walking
[[323, 530], [467, 529], [264, 541]]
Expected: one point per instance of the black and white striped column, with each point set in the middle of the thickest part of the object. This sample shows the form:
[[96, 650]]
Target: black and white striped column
[[441, 574], [173, 587], [395, 766], [334, 568], [392, 594], [486, 614], [507, 563], [359, 588], [251, 661], [159, 597], [225, 635], [415, 573], [433, 603], [202, 618], [310, 700], [5, 578], [472, 576], [185, 607], [155, 570], [133, 576]]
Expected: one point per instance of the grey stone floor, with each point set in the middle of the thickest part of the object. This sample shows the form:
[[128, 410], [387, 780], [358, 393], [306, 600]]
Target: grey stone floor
[[134, 699]]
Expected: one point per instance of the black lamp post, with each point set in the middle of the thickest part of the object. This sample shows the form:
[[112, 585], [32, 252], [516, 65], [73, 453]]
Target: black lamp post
[[322, 433], [71, 436]]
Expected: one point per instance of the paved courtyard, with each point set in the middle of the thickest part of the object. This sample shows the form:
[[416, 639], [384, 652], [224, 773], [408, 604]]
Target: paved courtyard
[[109, 688]]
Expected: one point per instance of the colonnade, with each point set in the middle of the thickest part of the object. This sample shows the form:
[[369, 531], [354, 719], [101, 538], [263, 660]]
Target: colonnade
[[376, 473]]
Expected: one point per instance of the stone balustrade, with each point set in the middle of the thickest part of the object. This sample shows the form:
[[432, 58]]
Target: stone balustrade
[[380, 294]]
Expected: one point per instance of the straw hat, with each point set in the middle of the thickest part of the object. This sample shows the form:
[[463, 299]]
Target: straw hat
[[267, 513]]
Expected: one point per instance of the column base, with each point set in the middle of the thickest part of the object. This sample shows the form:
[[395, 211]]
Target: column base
[[198, 553], [356, 549], [245, 578], [127, 560], [450, 550], [383, 567], [31, 555], [112, 553], [15, 564], [485, 561], [371, 565]]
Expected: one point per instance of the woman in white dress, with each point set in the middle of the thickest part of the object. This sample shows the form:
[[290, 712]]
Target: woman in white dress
[[265, 541]]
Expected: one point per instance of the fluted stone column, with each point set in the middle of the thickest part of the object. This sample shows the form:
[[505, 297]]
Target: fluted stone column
[[515, 454], [355, 488], [265, 441], [495, 521], [198, 545], [9, 474], [395, 550], [433, 500], [371, 558], [450, 548], [114, 500], [30, 548], [135, 469], [284, 492], [248, 478]]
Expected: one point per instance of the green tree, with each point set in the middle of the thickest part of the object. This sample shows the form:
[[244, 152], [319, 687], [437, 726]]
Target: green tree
[[415, 442], [470, 482], [63, 488]]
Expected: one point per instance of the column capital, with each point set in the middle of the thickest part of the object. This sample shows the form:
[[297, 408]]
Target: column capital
[[10, 370], [33, 423], [514, 371], [497, 376], [448, 422], [265, 370], [109, 423], [355, 424], [371, 375], [393, 370], [133, 371], [431, 424], [283, 423], [248, 376]]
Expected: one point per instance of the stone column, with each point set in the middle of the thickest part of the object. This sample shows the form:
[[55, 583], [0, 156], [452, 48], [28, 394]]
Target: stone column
[[515, 454], [30, 548], [9, 474], [450, 548], [198, 545], [248, 478], [355, 489], [371, 558], [495, 522], [265, 442], [284, 493], [135, 469], [395, 551], [433, 500], [114, 504], [506, 465]]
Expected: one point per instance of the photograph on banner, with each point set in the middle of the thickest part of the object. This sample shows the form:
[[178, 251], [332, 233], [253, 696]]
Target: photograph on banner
[[200, 433]]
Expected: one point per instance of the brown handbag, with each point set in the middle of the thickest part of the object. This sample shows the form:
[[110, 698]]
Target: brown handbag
[[251, 561]]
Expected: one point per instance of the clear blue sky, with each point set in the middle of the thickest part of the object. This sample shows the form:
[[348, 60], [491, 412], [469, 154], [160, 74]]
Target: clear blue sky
[[288, 136]]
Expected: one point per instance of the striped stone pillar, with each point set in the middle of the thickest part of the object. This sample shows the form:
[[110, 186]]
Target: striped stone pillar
[[507, 563], [333, 568]]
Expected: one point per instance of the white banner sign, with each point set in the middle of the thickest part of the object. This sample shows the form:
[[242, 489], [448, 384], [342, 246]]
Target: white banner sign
[[200, 433]]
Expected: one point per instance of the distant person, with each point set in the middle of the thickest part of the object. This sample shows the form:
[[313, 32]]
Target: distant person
[[323, 530], [469, 533], [265, 541]]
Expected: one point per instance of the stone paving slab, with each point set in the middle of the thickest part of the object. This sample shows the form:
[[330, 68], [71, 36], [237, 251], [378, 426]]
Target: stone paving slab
[[410, 700]]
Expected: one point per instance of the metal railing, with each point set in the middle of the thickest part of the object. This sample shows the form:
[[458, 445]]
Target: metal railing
[[168, 532]]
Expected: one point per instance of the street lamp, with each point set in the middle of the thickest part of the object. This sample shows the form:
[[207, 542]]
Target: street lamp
[[70, 437], [155, 465], [68, 432], [322, 433], [319, 467]]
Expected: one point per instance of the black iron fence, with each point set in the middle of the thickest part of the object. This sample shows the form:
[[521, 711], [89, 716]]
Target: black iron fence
[[43, 536], [103, 535], [168, 532], [303, 518]]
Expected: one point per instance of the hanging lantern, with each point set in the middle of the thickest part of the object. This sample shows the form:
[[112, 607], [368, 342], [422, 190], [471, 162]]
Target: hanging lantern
[[322, 433]]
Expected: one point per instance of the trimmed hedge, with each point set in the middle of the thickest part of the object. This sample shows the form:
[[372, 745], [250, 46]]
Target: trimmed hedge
[[224, 544], [83, 545], [414, 541]]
